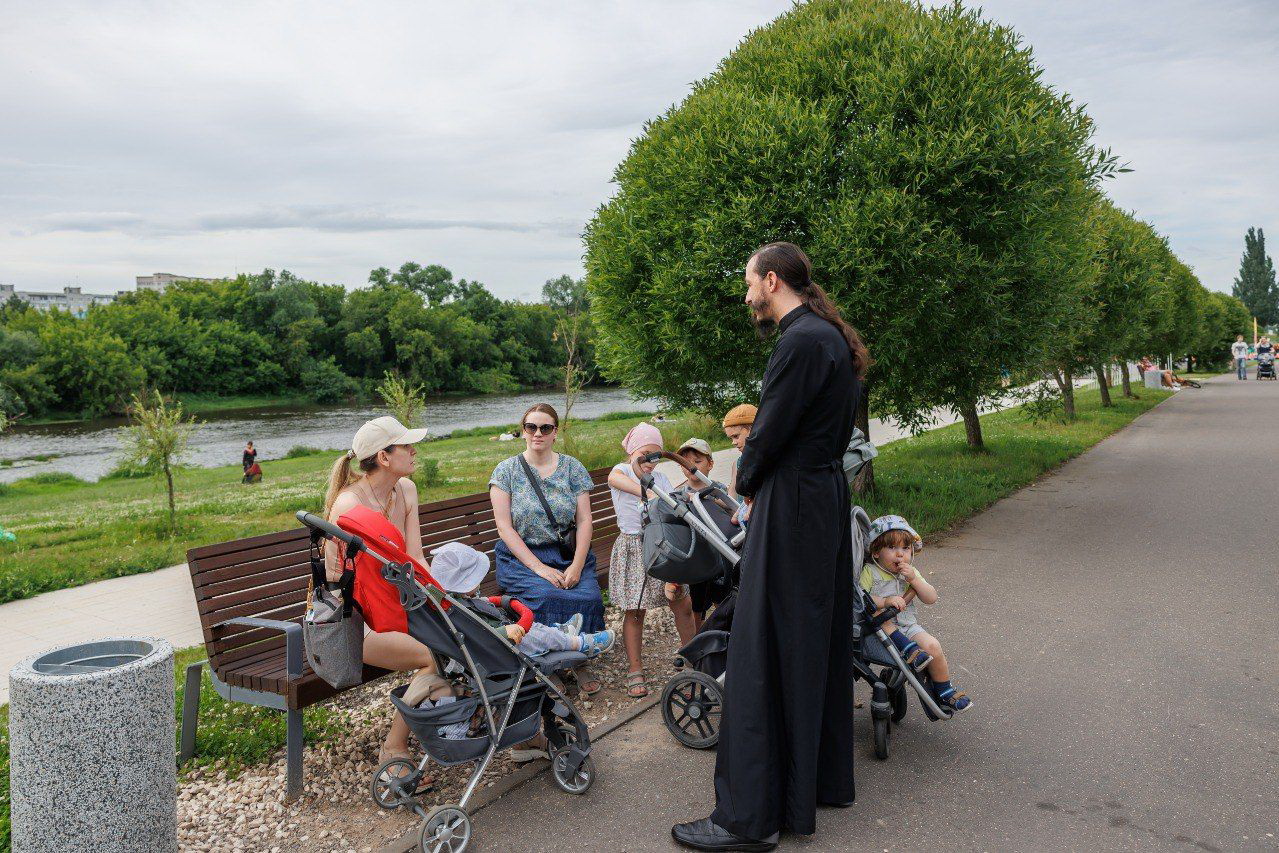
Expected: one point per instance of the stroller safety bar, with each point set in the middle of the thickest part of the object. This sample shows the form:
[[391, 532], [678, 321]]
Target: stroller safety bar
[[689, 470]]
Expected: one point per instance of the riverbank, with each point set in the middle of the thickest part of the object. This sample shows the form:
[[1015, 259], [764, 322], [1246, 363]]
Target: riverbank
[[70, 532]]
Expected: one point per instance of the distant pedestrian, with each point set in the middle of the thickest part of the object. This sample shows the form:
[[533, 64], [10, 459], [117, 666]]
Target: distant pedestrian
[[249, 457], [1239, 352]]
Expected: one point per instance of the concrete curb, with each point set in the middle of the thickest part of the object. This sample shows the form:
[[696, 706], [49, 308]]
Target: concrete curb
[[488, 796]]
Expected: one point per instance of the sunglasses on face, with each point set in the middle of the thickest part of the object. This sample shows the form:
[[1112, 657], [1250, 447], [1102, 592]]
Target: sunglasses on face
[[544, 429]]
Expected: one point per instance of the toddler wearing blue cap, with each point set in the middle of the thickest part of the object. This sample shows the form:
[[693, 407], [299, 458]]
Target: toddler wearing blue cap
[[887, 575]]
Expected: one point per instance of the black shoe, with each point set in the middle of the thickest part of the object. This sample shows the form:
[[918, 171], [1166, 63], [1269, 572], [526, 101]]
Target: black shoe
[[705, 834]]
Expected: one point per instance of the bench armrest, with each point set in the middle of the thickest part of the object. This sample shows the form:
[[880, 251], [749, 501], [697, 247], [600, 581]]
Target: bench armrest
[[292, 639]]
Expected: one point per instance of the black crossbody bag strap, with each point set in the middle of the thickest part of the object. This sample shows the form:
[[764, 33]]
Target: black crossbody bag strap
[[537, 489]]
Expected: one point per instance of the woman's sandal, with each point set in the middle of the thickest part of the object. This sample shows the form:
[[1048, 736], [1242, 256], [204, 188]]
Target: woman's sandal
[[531, 750], [635, 686], [587, 681]]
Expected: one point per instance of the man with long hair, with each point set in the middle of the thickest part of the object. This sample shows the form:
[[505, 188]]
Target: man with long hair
[[785, 742]]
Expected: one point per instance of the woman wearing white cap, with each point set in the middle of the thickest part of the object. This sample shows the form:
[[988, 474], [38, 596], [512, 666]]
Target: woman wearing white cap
[[384, 453]]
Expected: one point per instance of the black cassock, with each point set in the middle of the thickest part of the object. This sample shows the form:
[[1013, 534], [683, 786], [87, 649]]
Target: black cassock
[[786, 737]]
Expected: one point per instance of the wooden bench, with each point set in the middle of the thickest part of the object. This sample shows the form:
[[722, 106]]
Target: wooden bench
[[251, 594]]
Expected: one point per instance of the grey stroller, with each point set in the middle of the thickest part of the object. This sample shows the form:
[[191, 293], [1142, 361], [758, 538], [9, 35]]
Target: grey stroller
[[510, 693]]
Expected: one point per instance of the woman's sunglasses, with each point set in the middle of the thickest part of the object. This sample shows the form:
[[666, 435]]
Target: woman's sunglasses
[[544, 429]]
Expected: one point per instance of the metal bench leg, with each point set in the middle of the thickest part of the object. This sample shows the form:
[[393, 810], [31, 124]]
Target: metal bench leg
[[293, 782], [191, 709]]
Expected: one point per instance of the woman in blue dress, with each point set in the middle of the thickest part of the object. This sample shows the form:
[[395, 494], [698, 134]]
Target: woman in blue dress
[[531, 564]]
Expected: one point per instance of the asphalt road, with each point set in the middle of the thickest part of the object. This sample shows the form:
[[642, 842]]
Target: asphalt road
[[1116, 625]]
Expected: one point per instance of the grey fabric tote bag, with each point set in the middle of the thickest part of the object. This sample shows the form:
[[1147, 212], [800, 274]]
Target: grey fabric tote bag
[[333, 629]]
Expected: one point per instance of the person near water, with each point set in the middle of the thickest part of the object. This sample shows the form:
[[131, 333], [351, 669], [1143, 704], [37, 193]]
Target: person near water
[[383, 452], [1239, 352], [249, 456], [737, 426], [534, 563], [629, 586], [786, 735]]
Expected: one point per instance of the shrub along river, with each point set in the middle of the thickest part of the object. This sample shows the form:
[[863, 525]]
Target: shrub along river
[[90, 449]]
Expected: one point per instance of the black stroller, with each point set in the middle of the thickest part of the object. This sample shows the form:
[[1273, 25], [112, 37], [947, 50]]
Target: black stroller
[[692, 701], [515, 693], [1266, 365]]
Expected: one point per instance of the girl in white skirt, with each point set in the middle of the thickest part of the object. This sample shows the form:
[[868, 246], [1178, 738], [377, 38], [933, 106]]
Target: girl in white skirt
[[629, 586]]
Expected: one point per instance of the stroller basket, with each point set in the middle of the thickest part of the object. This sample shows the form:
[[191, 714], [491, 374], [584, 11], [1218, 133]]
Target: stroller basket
[[424, 722]]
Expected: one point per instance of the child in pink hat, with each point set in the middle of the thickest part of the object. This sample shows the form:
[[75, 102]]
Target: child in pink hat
[[629, 586]]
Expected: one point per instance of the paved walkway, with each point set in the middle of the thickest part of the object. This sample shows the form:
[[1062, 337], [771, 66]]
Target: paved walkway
[[1116, 624], [161, 603]]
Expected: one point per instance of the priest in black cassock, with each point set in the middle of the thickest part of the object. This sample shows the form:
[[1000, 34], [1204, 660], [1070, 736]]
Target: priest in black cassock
[[786, 735]]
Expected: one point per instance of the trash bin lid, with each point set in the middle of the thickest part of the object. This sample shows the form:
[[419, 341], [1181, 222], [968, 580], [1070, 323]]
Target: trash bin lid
[[92, 657]]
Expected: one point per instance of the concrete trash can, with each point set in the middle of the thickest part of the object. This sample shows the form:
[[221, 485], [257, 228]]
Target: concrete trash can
[[1153, 378], [91, 740]]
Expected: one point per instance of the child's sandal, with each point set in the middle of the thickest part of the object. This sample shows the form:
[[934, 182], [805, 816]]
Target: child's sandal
[[635, 686], [956, 700], [917, 659]]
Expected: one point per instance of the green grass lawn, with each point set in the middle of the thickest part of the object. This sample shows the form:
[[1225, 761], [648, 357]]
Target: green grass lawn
[[70, 532], [933, 480]]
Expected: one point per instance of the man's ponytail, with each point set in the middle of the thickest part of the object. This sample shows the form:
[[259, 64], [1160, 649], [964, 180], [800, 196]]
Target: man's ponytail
[[791, 265]]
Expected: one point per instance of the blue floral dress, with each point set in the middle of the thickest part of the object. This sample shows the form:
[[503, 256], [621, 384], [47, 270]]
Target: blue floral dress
[[548, 603]]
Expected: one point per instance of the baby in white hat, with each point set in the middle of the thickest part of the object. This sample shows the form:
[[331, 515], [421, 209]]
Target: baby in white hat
[[460, 569]]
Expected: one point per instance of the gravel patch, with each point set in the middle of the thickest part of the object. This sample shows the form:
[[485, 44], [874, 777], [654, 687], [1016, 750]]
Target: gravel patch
[[336, 812]]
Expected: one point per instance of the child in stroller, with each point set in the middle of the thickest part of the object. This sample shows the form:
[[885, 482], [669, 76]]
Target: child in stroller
[[510, 692], [1265, 365], [692, 700]]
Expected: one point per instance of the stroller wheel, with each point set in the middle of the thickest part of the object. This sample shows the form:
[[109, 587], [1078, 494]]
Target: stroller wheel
[[577, 783], [394, 783], [882, 729], [691, 705], [447, 829]]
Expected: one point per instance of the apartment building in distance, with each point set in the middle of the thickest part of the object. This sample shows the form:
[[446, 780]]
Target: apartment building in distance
[[71, 299], [77, 302], [160, 281]]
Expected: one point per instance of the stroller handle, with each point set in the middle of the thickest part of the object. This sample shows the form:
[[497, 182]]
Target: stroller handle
[[688, 467], [313, 521]]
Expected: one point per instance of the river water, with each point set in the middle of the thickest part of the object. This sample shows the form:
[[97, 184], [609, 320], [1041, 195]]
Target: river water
[[90, 449]]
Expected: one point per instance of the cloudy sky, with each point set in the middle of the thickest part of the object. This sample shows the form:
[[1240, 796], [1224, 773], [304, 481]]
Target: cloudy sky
[[331, 138]]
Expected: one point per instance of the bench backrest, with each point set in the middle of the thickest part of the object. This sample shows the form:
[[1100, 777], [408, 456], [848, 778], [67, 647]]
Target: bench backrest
[[266, 576]]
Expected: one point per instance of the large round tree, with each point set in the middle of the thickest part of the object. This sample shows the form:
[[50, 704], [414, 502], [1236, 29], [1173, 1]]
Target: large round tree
[[940, 186]]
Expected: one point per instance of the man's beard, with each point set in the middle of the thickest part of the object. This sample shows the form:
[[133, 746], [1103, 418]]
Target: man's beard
[[762, 315]]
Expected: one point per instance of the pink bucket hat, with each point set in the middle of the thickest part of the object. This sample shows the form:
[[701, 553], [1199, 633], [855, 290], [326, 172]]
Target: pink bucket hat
[[640, 435]]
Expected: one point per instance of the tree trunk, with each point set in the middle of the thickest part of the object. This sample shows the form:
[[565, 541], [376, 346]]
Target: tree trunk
[[972, 424], [168, 476], [1066, 384], [1127, 382], [1103, 382], [864, 482]]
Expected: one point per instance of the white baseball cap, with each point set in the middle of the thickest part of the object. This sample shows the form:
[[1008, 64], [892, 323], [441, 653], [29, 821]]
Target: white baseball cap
[[697, 444], [381, 433], [458, 567]]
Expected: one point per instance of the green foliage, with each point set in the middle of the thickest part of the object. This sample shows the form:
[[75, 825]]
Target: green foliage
[[1255, 285], [299, 450], [934, 482], [51, 478], [940, 186], [272, 334], [404, 399], [427, 474], [156, 439]]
